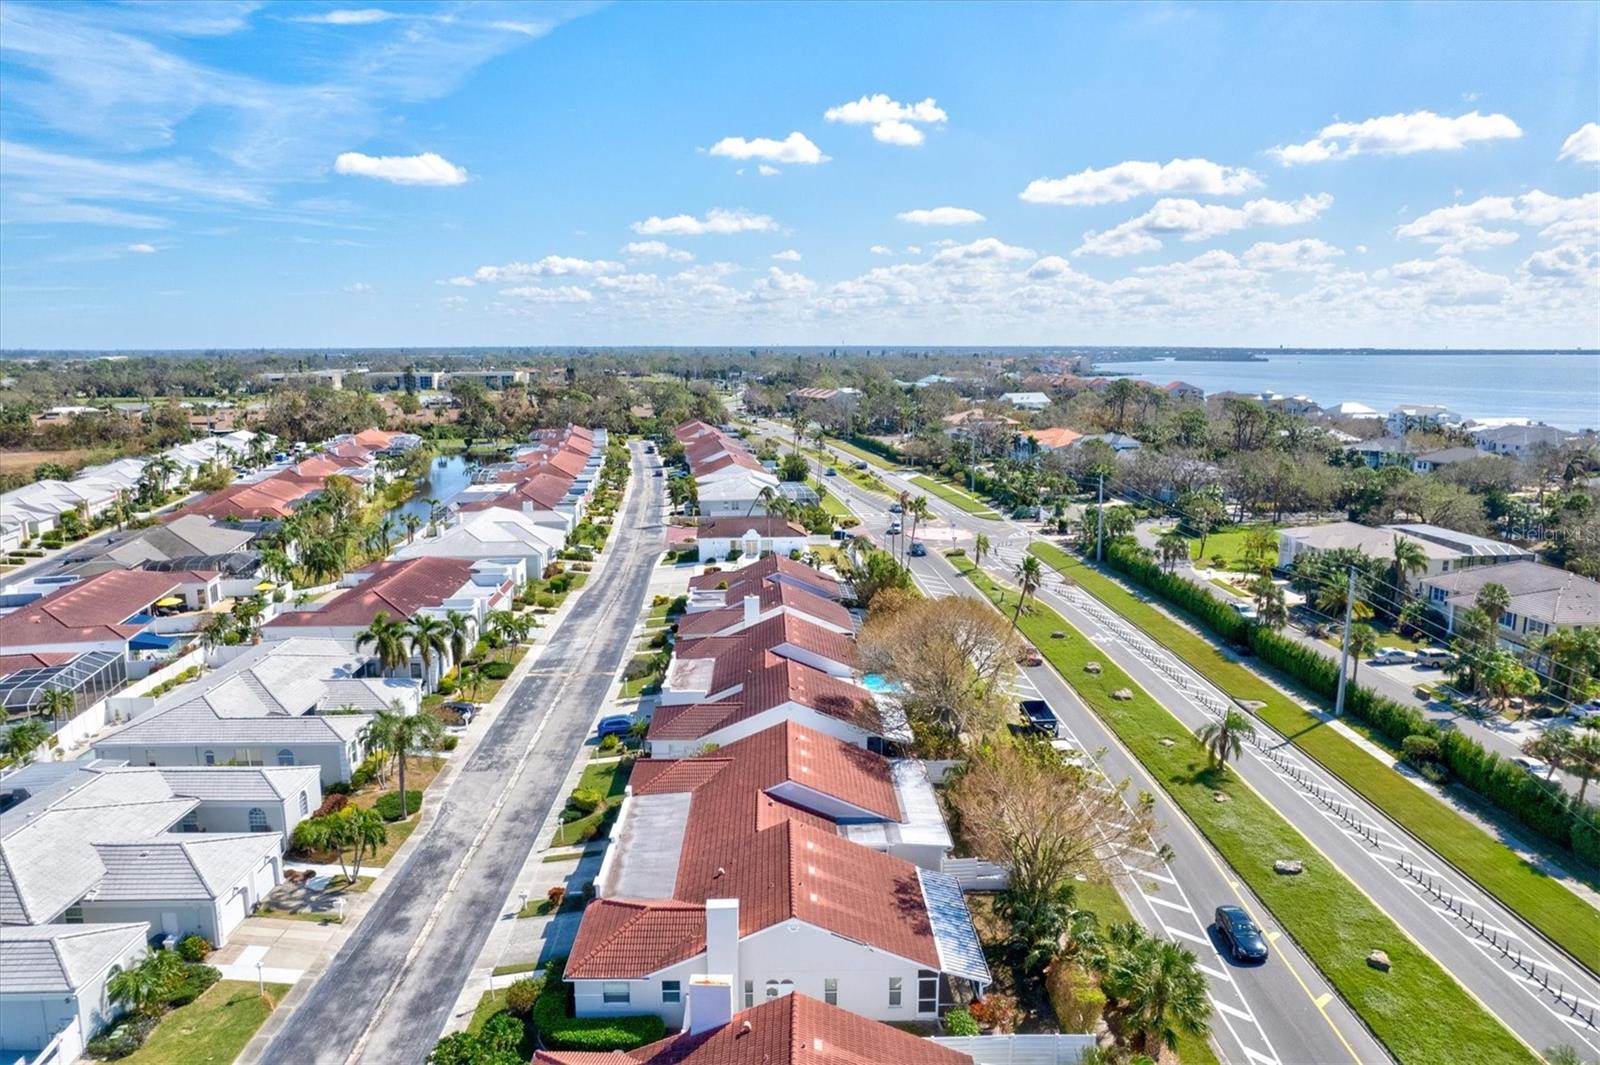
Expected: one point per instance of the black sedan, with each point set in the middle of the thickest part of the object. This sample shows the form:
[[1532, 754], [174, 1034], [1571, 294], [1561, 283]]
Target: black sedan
[[1245, 940]]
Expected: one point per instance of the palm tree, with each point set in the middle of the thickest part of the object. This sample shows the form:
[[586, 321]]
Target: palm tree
[[429, 637], [1363, 643], [59, 703], [387, 637], [433, 514], [1583, 760], [1222, 738], [502, 627], [1493, 600], [1173, 547], [1029, 575], [1333, 594], [918, 509], [1271, 609], [459, 632], [214, 633], [1409, 558], [412, 524], [403, 735], [980, 547], [25, 737], [1162, 992], [146, 988]]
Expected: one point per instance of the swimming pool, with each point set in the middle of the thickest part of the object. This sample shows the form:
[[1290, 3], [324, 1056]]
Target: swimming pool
[[878, 684]]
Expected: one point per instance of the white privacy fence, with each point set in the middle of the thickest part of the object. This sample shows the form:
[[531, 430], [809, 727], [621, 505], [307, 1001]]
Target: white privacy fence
[[975, 874], [1019, 1049]]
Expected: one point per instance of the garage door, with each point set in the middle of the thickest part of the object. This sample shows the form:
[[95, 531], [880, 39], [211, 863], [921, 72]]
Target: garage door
[[233, 911], [266, 878]]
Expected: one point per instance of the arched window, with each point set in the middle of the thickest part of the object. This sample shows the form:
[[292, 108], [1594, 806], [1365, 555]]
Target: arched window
[[305, 805], [285, 756], [772, 989], [211, 758], [258, 819]]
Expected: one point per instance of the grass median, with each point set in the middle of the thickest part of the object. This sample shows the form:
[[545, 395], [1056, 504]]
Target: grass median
[[1542, 901], [1416, 1009], [862, 453], [955, 496]]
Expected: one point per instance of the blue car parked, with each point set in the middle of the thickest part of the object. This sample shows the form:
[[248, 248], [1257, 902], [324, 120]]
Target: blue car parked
[[615, 725]]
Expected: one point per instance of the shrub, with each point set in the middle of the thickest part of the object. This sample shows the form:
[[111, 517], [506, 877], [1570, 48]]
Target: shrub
[[522, 994], [1420, 750], [332, 804], [960, 1022], [388, 804], [585, 800], [127, 1036], [194, 948], [338, 787], [545, 601], [555, 895], [610, 742], [449, 743], [997, 1011], [370, 767], [1075, 998], [446, 687], [496, 670], [559, 1030], [195, 982]]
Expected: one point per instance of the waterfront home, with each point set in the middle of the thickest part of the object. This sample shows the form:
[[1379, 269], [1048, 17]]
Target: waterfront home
[[1542, 600], [1520, 441]]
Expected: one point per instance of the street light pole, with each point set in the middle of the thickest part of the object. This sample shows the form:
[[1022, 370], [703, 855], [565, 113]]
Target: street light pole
[[1344, 651], [1100, 519]]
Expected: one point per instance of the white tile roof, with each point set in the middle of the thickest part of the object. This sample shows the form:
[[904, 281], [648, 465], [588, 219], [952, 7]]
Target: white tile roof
[[239, 783], [62, 957], [181, 866]]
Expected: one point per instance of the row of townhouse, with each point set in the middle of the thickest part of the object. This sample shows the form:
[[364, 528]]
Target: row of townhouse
[[1446, 550], [550, 482], [34, 509], [770, 864], [101, 861], [729, 479]]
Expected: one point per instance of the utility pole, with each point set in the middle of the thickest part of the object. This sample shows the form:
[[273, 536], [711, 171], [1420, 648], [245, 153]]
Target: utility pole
[[1100, 519], [1344, 652]]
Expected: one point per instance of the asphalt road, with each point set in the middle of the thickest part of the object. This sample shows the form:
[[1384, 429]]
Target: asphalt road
[[1326, 813], [1282, 1011], [387, 995], [1398, 681]]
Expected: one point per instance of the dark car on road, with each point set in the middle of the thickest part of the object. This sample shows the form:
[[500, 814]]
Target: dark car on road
[[918, 549], [615, 725], [1245, 940]]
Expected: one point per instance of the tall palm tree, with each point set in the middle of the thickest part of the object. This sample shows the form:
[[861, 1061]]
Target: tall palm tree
[[433, 514], [502, 627], [1333, 594], [1493, 600], [403, 735], [429, 638], [1363, 643], [412, 523], [1409, 558], [459, 632], [1029, 575], [980, 547], [1271, 608], [1583, 759], [918, 509], [214, 633], [1172, 547], [1223, 738], [25, 737], [59, 703], [387, 637], [1162, 992]]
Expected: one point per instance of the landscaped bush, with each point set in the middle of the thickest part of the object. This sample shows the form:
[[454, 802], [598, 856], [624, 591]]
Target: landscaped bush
[[1420, 750], [496, 670], [521, 995], [560, 1030], [1075, 998], [960, 1022], [332, 804], [545, 601], [195, 983], [370, 767], [446, 687], [127, 1036], [610, 742], [338, 787], [194, 948], [449, 743], [388, 804], [585, 801]]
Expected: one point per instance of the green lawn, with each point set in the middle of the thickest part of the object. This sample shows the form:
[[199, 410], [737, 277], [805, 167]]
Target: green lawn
[[956, 496], [830, 502], [517, 969], [212, 1029], [632, 689], [1229, 543], [1541, 901], [861, 453], [1417, 1010]]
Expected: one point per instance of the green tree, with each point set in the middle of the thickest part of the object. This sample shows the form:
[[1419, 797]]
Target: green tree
[[25, 737], [404, 735], [1363, 644], [919, 512], [59, 703], [429, 638], [459, 634], [871, 572], [412, 522], [1157, 986], [1583, 759], [1029, 575], [1272, 610], [1409, 558], [1333, 594], [980, 547], [1172, 548], [1506, 678], [1493, 600], [1223, 738], [147, 987], [794, 467], [1202, 512], [354, 831], [387, 638]]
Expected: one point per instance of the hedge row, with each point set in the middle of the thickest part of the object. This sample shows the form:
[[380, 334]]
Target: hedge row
[[1540, 806], [876, 446], [560, 1030]]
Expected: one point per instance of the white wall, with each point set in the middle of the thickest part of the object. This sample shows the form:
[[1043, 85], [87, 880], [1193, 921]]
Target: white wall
[[331, 758]]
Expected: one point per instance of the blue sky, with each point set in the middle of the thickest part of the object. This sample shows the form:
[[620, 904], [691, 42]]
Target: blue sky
[[304, 174]]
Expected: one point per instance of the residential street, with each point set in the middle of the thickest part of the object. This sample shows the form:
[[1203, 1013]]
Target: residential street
[[386, 996], [1517, 1000]]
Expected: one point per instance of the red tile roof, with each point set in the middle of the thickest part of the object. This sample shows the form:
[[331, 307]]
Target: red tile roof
[[784, 629], [89, 611], [273, 497], [733, 528], [789, 1030], [771, 595], [765, 680], [10, 664], [748, 580], [398, 589]]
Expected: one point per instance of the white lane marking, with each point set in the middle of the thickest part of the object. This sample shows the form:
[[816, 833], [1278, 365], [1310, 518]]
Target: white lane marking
[[1180, 907]]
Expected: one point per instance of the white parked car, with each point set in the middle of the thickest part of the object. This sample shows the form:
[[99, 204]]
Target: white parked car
[[1587, 711], [1436, 657], [1532, 765], [1391, 656]]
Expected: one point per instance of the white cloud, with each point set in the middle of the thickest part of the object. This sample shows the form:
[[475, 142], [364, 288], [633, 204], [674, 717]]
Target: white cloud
[[1294, 256], [1565, 264], [429, 168], [1398, 134], [1191, 221], [1584, 144], [891, 121], [796, 148], [767, 171], [358, 287], [656, 249], [782, 285], [142, 249], [1125, 181], [913, 249], [549, 266], [1481, 224], [789, 255], [365, 16], [895, 131], [984, 249], [1447, 282], [879, 249], [716, 221], [558, 294], [940, 216]]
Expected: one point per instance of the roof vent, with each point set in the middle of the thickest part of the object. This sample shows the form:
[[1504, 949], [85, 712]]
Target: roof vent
[[745, 1028], [720, 872]]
